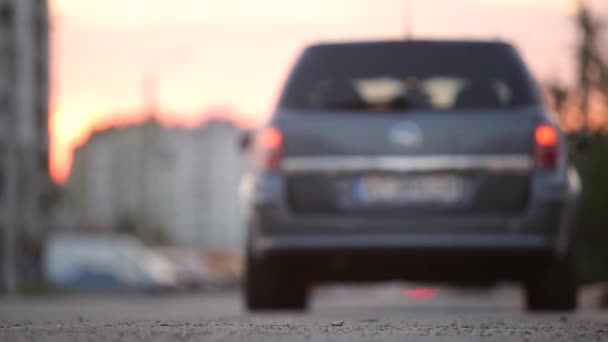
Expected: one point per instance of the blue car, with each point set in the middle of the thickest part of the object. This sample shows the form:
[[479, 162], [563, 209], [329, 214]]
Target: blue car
[[105, 262]]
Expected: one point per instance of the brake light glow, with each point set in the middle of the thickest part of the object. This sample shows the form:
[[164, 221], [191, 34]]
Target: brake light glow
[[545, 135], [546, 139], [269, 148], [271, 137], [421, 292]]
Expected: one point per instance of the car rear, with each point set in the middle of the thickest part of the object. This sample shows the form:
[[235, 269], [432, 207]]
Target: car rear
[[409, 160]]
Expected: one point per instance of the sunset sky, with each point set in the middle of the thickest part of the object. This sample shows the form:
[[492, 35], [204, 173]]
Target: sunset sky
[[234, 54]]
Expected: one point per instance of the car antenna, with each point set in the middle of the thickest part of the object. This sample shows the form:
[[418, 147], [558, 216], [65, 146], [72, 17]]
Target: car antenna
[[409, 19]]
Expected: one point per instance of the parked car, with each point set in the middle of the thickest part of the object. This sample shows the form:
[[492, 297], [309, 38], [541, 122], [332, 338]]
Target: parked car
[[105, 262], [410, 160], [191, 271]]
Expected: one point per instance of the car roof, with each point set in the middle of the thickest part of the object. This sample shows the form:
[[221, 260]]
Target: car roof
[[415, 42], [81, 238]]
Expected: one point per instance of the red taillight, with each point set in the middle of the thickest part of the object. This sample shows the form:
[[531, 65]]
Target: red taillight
[[269, 145], [545, 135], [546, 139], [270, 138]]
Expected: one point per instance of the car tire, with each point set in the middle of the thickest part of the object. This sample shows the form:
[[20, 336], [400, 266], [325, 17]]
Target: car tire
[[266, 288], [554, 288]]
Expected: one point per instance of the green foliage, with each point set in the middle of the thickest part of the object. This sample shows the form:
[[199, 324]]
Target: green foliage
[[127, 224], [160, 237], [593, 215], [31, 288], [155, 235], [592, 64]]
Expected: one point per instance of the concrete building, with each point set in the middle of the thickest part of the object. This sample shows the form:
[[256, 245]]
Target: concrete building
[[24, 95], [25, 185], [178, 180]]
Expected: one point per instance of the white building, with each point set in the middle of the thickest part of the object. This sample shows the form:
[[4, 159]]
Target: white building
[[183, 181]]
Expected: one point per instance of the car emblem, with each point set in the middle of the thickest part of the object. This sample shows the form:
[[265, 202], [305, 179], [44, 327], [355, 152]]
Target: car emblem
[[406, 134]]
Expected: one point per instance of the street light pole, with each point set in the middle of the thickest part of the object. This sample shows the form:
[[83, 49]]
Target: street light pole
[[409, 19], [10, 199], [13, 146], [149, 91]]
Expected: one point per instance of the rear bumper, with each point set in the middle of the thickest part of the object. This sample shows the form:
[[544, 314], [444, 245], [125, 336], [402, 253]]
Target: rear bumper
[[412, 257], [415, 247], [535, 235], [403, 242]]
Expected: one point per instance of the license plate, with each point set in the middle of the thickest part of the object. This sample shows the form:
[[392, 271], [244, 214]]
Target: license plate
[[410, 190]]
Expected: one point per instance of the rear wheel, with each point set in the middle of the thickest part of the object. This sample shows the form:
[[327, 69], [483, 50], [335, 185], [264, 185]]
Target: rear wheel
[[266, 288], [555, 287]]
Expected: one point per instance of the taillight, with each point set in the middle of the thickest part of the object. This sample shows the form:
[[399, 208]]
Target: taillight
[[269, 148], [546, 139]]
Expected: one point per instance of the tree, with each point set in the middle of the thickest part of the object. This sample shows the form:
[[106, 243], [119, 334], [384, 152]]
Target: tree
[[592, 70], [559, 95], [591, 64]]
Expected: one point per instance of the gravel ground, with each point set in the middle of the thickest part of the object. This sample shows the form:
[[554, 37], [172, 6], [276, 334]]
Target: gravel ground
[[343, 314]]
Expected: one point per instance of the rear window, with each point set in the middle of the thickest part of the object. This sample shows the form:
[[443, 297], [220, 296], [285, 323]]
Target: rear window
[[406, 76]]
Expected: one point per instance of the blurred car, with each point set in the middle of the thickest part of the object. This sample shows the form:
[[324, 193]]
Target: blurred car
[[410, 160], [192, 273], [105, 262]]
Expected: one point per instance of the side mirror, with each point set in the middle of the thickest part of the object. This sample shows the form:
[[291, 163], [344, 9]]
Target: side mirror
[[245, 141]]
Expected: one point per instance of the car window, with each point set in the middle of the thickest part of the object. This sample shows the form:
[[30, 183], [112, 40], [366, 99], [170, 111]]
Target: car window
[[401, 77]]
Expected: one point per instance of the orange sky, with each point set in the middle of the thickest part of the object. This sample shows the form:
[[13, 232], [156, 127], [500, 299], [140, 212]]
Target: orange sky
[[235, 53]]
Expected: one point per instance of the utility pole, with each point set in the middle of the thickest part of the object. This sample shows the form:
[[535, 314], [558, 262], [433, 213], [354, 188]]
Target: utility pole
[[149, 92], [10, 206], [14, 136], [409, 19]]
